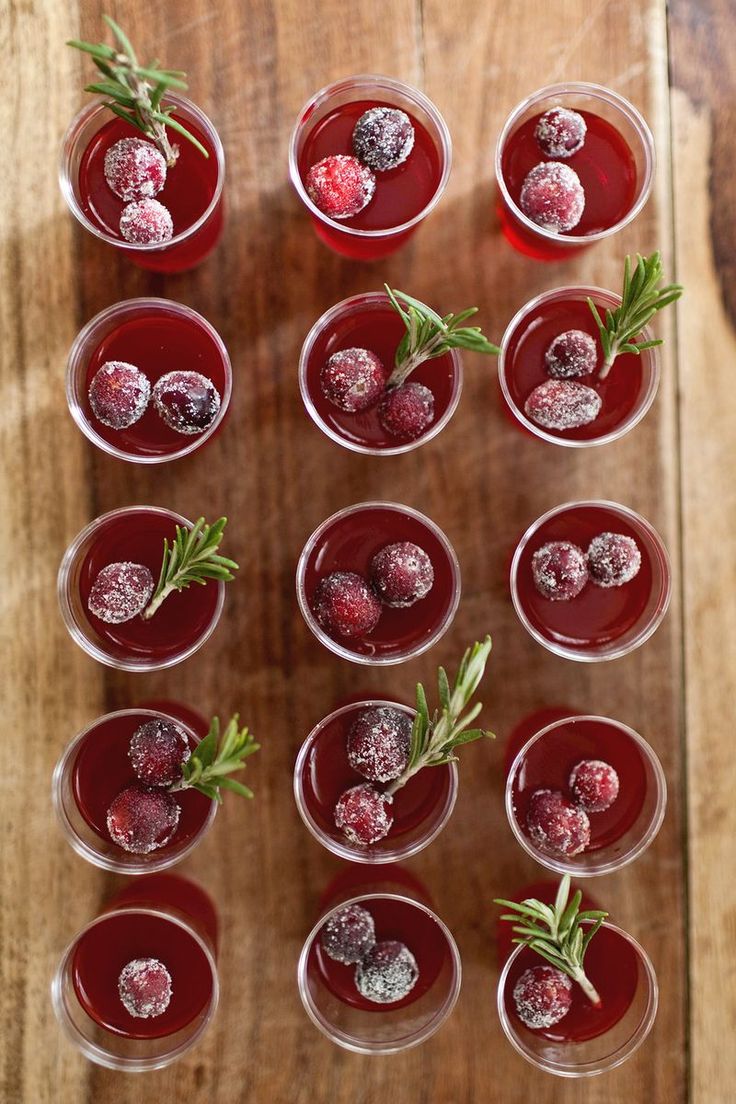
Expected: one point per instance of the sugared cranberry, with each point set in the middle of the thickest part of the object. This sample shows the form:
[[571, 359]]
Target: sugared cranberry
[[187, 401], [613, 559], [378, 743], [146, 222], [353, 379], [340, 186], [559, 570], [572, 354], [362, 813], [145, 987], [134, 169], [402, 574], [542, 996], [563, 404], [119, 394], [406, 411], [348, 935], [594, 785], [388, 973], [560, 132], [552, 196], [141, 819], [344, 604], [383, 138], [120, 592], [157, 751], [556, 825]]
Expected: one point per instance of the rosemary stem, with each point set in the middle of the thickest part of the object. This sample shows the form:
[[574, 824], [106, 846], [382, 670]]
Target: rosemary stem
[[588, 988], [155, 602]]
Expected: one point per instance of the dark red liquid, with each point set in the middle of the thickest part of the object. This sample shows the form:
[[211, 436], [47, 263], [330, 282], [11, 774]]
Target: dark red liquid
[[527, 728], [175, 894], [350, 544], [356, 880], [546, 892]]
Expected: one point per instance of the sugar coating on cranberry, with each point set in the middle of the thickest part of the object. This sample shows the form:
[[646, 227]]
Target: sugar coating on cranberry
[[340, 186], [157, 751], [388, 973], [594, 785], [613, 559], [378, 743], [559, 570], [134, 169], [383, 138], [353, 379], [542, 996], [119, 394], [348, 935], [563, 404], [560, 132], [556, 824], [402, 574], [142, 819], [344, 604], [187, 401], [120, 592], [145, 988], [407, 411], [572, 354], [363, 814], [146, 222], [552, 196]]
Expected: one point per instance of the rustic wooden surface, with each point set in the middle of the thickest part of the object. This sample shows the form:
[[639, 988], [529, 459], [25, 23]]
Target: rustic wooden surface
[[251, 67]]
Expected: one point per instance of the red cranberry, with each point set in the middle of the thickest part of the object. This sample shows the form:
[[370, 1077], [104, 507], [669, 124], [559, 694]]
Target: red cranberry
[[560, 132], [594, 785], [187, 401], [402, 574], [145, 222], [344, 604], [134, 169], [406, 411], [363, 815], [378, 743], [145, 988], [388, 973], [542, 996], [559, 570], [552, 196], [383, 138], [353, 379], [157, 751], [572, 354], [120, 592], [348, 934], [141, 819], [613, 559], [340, 186], [556, 825], [563, 404], [119, 394]]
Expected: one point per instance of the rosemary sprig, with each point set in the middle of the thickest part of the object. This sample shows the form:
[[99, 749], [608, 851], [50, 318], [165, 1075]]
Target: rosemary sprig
[[641, 298], [191, 558], [556, 932], [428, 336], [136, 91], [216, 757], [433, 739]]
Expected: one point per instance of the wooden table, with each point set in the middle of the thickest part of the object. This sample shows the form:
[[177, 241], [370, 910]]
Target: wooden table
[[251, 67]]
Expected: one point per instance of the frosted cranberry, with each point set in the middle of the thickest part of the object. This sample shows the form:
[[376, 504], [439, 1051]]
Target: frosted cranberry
[[141, 819], [383, 138], [406, 411], [145, 988], [120, 592], [119, 394], [157, 751], [556, 825], [353, 379], [388, 973], [562, 404], [560, 132], [362, 813], [594, 785], [134, 169], [340, 186], [402, 574], [187, 401], [572, 354], [378, 743], [552, 196], [146, 222], [559, 570], [348, 934], [344, 604], [613, 559], [542, 996]]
